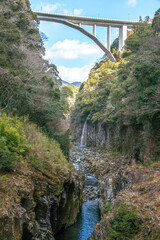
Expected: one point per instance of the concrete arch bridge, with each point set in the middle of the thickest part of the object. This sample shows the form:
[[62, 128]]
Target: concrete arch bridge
[[76, 22]]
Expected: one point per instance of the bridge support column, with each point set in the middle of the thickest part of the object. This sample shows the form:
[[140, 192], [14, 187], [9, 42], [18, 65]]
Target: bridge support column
[[80, 24], [122, 37], [94, 30], [108, 37]]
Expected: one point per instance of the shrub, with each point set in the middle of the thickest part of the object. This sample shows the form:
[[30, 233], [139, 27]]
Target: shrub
[[107, 207], [12, 142], [44, 153], [63, 139], [24, 141], [7, 159], [23, 22], [124, 225]]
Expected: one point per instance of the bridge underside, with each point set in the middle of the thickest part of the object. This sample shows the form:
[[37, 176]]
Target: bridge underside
[[76, 22], [85, 32]]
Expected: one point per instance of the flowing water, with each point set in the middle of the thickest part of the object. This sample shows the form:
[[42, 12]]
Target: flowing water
[[90, 214], [85, 224]]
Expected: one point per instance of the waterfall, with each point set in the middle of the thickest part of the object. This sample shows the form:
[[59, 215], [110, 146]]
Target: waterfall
[[108, 137], [84, 135]]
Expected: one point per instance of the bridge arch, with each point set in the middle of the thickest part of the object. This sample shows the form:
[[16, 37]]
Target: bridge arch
[[76, 22]]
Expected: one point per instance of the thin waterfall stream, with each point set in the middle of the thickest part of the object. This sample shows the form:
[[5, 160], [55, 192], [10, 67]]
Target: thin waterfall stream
[[84, 135]]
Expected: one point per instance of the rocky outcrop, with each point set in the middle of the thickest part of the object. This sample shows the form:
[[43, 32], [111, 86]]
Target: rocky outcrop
[[112, 183], [104, 135], [98, 233], [136, 186], [132, 141], [96, 135], [37, 205]]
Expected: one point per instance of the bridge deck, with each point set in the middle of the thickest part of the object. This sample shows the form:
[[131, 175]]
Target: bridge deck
[[86, 20]]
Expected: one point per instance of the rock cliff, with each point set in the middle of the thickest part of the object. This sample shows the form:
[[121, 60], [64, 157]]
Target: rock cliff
[[37, 205], [133, 142], [134, 186]]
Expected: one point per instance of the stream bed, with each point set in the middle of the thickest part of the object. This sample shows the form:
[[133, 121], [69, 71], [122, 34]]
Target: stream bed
[[85, 224], [90, 214]]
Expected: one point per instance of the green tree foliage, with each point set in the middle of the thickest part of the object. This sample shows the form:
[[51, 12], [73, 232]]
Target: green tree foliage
[[127, 92], [124, 225], [93, 101], [126, 89], [156, 22], [13, 145], [139, 77], [29, 85], [115, 44], [67, 95], [114, 48], [22, 141], [44, 153], [63, 139]]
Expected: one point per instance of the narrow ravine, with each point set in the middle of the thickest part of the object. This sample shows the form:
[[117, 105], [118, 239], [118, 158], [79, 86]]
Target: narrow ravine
[[90, 214]]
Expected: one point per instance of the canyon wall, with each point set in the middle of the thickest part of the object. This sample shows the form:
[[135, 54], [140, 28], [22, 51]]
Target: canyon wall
[[37, 205], [133, 141]]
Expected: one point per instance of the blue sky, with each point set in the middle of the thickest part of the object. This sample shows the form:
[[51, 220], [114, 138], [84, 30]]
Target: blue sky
[[73, 53]]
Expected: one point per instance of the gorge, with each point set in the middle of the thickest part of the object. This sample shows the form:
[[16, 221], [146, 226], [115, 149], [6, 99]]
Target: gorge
[[99, 179]]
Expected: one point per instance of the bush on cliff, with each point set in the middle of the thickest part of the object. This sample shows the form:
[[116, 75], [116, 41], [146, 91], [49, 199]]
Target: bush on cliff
[[126, 94], [22, 141], [63, 139], [29, 85], [124, 224], [13, 145], [45, 153]]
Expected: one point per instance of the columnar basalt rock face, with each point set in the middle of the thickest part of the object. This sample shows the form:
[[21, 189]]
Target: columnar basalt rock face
[[39, 206], [98, 134], [128, 140], [112, 183]]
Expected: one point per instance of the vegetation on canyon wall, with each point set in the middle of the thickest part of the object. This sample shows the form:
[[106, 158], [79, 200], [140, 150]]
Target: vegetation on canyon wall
[[127, 93], [40, 192], [29, 85], [119, 96], [124, 223], [134, 213], [23, 141]]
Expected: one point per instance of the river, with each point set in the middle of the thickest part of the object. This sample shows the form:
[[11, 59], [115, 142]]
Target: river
[[90, 214]]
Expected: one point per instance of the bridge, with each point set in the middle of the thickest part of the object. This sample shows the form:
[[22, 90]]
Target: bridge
[[76, 22]]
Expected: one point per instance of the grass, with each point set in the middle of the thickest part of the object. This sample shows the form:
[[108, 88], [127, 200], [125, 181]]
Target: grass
[[44, 153], [43, 160], [22, 141]]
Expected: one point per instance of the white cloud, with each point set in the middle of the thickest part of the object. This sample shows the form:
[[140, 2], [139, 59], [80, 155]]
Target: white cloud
[[132, 3], [50, 8], [74, 74], [71, 49], [67, 12], [76, 12]]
